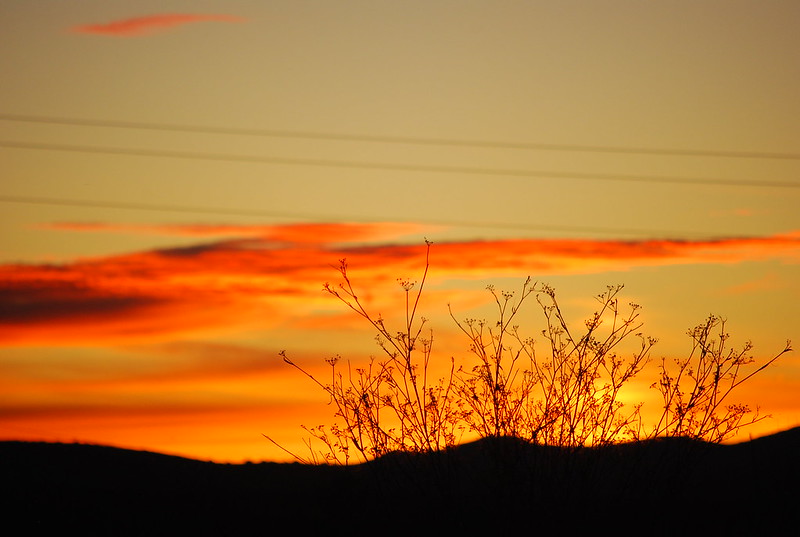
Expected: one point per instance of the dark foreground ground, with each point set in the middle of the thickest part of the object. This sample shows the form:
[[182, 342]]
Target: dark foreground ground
[[499, 487]]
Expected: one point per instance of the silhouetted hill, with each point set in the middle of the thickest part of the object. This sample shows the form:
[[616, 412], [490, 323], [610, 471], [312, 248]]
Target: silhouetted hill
[[496, 486]]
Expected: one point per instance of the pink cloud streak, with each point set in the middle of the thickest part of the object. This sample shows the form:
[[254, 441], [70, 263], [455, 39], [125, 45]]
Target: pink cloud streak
[[148, 24]]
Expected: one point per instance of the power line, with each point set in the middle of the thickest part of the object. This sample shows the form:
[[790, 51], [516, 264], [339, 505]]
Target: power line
[[464, 170], [408, 140], [222, 211]]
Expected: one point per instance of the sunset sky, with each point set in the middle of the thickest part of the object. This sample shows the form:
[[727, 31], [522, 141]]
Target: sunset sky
[[179, 180]]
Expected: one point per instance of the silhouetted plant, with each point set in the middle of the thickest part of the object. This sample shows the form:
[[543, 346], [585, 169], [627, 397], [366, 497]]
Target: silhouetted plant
[[495, 391], [391, 404], [568, 396], [695, 390]]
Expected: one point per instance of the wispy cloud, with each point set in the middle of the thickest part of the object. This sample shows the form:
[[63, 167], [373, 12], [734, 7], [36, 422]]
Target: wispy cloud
[[149, 24], [290, 233], [238, 283], [766, 283]]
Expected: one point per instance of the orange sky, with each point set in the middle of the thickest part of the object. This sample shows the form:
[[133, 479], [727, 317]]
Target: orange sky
[[178, 185], [131, 349]]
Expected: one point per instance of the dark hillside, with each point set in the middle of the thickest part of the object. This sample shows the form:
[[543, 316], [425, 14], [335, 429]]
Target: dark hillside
[[666, 487]]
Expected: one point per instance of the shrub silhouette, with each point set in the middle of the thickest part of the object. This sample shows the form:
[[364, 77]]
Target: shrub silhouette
[[695, 390], [570, 397], [390, 404]]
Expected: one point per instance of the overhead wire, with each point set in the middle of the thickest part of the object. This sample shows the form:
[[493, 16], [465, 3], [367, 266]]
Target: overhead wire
[[407, 140], [318, 217], [466, 170], [463, 170]]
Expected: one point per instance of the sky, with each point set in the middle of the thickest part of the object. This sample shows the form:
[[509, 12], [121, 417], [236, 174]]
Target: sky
[[179, 180]]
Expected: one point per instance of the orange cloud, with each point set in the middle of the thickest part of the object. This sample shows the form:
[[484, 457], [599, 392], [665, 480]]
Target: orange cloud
[[150, 24], [591, 256], [291, 233], [244, 283], [765, 283]]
